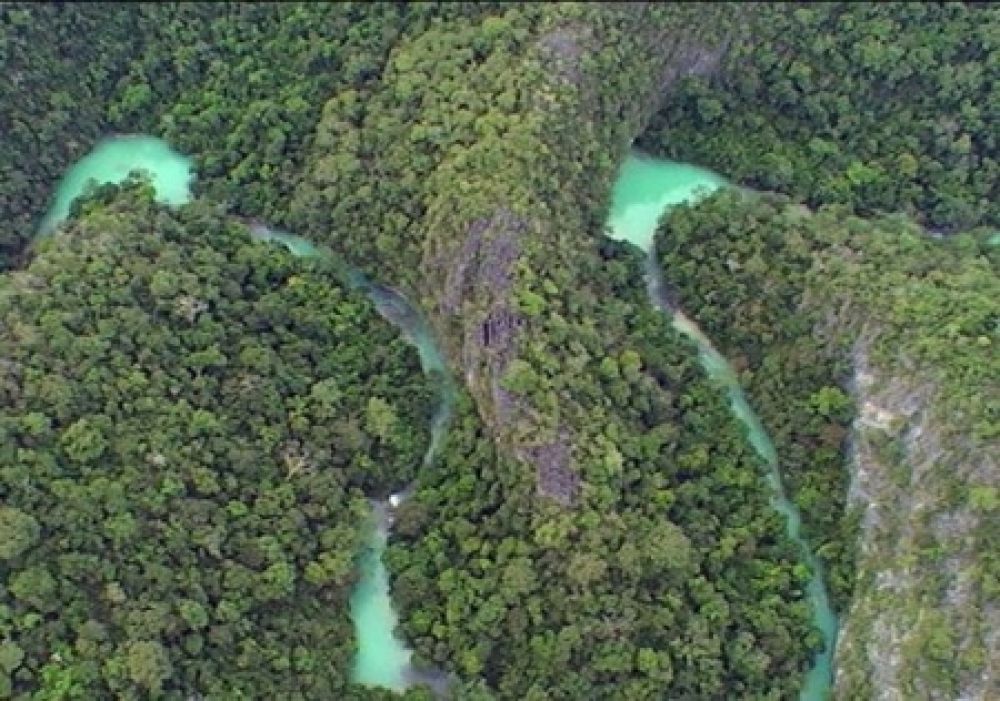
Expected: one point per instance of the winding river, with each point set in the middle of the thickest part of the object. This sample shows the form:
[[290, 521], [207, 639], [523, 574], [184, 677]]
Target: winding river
[[383, 659], [643, 192]]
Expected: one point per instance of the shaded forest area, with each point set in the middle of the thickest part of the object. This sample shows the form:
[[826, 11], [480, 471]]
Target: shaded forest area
[[883, 107]]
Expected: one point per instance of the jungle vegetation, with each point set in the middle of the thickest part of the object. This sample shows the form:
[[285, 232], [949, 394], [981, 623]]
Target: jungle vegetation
[[190, 423], [800, 299], [882, 107], [190, 420]]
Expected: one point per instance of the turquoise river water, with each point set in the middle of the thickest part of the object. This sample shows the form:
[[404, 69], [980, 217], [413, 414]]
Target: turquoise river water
[[383, 659], [643, 192], [111, 161]]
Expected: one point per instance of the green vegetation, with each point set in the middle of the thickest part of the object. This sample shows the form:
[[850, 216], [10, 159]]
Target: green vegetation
[[760, 271], [189, 423], [242, 90], [239, 87], [60, 63], [884, 110], [879, 106], [496, 157], [671, 579], [806, 302], [740, 268]]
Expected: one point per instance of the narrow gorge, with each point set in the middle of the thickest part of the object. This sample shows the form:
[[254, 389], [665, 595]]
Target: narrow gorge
[[499, 351]]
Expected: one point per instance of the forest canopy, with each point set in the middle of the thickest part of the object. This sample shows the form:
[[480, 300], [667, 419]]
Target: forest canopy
[[883, 107], [875, 312], [190, 421]]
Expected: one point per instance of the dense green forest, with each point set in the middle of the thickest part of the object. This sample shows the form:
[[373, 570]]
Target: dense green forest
[[739, 267], [255, 73], [60, 62], [489, 140], [190, 422], [879, 106]]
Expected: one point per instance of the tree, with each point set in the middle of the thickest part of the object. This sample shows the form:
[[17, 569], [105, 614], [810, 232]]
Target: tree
[[35, 586], [83, 441], [148, 665], [380, 418], [21, 532]]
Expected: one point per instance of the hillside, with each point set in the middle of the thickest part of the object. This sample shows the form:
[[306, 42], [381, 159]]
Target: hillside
[[837, 317], [187, 422], [191, 422]]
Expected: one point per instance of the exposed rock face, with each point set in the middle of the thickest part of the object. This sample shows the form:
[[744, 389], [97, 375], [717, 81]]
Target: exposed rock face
[[922, 617], [490, 248], [577, 132], [562, 50], [922, 624], [511, 188], [476, 290], [556, 479]]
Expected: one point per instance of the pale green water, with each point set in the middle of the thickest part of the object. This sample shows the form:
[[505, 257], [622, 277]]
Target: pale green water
[[111, 161], [383, 660], [645, 189]]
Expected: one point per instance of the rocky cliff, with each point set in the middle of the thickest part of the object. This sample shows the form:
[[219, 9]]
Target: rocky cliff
[[590, 80], [492, 164], [911, 324], [924, 620]]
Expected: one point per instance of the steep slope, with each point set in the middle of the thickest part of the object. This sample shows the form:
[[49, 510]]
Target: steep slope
[[485, 136], [671, 578], [489, 150], [60, 61], [593, 530], [910, 327], [476, 177]]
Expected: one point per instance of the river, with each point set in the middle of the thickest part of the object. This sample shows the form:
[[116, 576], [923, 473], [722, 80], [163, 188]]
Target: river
[[644, 191], [383, 659], [111, 160]]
